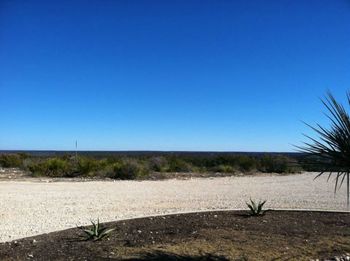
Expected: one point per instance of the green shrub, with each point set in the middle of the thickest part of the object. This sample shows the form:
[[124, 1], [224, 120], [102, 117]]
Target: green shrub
[[158, 164], [10, 160], [179, 165], [224, 169], [273, 164], [129, 169], [278, 164], [246, 163], [54, 167], [86, 166]]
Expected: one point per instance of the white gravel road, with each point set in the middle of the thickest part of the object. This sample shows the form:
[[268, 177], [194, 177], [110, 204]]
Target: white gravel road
[[28, 208]]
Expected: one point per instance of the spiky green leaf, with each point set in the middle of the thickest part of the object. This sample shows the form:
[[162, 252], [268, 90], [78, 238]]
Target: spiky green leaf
[[332, 146]]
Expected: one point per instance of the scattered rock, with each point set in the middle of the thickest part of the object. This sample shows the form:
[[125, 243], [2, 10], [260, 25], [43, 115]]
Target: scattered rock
[[345, 257]]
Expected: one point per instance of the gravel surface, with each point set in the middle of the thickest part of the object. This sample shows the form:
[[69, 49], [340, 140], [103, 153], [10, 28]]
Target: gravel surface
[[29, 208]]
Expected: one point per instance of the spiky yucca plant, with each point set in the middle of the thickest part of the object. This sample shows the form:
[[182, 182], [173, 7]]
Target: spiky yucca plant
[[256, 209], [332, 148], [97, 232]]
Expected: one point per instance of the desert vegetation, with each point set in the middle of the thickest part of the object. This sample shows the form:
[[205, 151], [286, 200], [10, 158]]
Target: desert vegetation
[[142, 165], [256, 208], [96, 232], [330, 150]]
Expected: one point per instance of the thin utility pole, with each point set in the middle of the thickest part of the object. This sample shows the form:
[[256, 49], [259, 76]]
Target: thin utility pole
[[76, 151]]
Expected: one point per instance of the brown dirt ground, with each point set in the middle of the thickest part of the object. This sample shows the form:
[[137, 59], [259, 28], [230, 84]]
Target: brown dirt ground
[[220, 235]]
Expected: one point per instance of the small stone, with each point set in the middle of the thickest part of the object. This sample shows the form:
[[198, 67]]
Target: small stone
[[139, 231], [30, 255]]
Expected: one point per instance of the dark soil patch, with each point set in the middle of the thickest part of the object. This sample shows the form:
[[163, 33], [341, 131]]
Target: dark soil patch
[[226, 235]]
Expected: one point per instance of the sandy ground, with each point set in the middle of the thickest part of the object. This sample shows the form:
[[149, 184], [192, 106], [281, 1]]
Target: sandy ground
[[31, 207]]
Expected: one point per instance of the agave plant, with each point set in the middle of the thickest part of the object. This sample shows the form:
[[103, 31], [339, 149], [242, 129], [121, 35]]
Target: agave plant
[[256, 209], [96, 232], [332, 148]]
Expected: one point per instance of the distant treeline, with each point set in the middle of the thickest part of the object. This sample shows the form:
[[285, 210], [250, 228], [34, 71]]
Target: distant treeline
[[133, 165]]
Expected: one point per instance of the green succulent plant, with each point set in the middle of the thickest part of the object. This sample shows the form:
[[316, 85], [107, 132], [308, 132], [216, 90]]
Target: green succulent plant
[[96, 232], [256, 209]]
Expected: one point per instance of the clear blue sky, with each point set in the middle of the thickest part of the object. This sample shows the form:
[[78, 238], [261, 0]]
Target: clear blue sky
[[168, 75]]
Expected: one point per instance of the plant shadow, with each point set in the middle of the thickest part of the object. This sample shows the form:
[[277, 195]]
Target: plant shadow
[[159, 255]]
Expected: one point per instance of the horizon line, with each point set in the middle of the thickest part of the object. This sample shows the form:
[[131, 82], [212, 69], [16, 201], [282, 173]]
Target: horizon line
[[198, 151]]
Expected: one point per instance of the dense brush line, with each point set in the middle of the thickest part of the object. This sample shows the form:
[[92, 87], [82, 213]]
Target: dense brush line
[[138, 166]]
